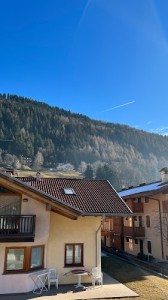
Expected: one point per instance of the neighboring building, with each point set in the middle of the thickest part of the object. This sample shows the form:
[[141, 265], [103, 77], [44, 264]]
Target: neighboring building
[[26, 161], [112, 233], [147, 231], [51, 222]]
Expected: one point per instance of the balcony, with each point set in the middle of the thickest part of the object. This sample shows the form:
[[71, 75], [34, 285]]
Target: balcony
[[106, 232], [117, 230], [17, 228], [134, 232], [137, 207]]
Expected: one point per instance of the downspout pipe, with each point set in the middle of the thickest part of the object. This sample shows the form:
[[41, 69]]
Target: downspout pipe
[[97, 244]]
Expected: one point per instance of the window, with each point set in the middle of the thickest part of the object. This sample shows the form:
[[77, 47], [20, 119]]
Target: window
[[140, 221], [165, 206], [36, 257], [149, 247], [139, 200], [147, 221], [127, 239], [24, 259], [136, 241], [10, 206], [106, 225], [146, 200], [15, 259], [74, 255], [69, 191]]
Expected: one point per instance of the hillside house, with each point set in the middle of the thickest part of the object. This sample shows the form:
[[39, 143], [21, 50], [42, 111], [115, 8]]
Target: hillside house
[[51, 222]]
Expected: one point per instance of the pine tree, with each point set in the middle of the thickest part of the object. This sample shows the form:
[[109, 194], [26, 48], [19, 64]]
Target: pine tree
[[88, 172]]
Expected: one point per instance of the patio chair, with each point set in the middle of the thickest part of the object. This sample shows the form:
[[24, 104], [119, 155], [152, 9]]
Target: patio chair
[[53, 277], [97, 276]]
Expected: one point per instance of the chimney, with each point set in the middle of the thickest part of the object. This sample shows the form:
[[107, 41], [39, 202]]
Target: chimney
[[164, 174], [38, 177]]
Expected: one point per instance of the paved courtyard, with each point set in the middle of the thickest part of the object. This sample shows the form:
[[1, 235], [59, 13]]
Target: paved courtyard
[[110, 289]]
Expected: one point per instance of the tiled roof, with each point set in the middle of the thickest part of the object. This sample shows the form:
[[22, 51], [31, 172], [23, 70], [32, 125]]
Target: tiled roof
[[154, 187], [90, 197]]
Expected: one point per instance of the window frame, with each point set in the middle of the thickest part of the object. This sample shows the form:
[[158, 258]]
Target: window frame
[[27, 260], [69, 191], [148, 222], [42, 257], [140, 220], [149, 247], [165, 206], [73, 263], [146, 200], [139, 200], [12, 205], [5, 262]]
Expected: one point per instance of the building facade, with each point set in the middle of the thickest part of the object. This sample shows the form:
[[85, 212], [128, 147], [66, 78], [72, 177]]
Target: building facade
[[112, 233], [146, 232], [51, 223]]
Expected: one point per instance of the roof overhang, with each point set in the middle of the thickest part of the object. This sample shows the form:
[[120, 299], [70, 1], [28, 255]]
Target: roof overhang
[[56, 205], [108, 214], [161, 188], [145, 194]]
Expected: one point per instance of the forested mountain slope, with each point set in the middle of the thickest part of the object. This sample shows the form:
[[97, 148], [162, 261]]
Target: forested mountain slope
[[27, 126]]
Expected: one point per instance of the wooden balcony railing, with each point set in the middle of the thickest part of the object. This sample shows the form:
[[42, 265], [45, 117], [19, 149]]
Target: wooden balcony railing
[[137, 207], [117, 230], [107, 232], [134, 232], [17, 228]]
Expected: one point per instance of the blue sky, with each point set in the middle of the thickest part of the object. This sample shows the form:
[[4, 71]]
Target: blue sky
[[107, 59]]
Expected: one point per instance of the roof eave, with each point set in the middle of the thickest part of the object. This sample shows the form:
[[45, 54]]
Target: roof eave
[[26, 189], [121, 198], [144, 194], [103, 214]]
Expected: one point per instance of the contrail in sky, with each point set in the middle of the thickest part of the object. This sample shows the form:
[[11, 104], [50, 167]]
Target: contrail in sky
[[118, 106], [83, 15], [81, 20]]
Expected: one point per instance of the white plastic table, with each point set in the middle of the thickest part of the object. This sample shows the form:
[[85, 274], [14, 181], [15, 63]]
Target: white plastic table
[[40, 280], [79, 274]]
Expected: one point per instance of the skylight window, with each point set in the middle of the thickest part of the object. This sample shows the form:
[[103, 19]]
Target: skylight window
[[69, 191]]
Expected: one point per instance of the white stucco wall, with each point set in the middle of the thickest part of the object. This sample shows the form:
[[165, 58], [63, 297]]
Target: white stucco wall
[[64, 231], [22, 283]]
